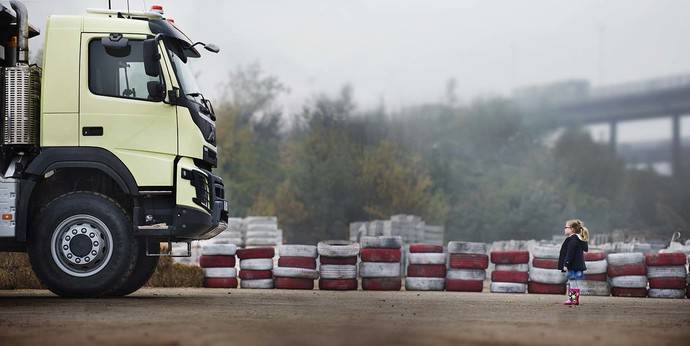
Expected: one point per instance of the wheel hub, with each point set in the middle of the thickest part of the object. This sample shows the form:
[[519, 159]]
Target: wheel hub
[[81, 245]]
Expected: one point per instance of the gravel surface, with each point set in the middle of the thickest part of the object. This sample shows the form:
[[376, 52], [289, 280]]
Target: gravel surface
[[280, 317]]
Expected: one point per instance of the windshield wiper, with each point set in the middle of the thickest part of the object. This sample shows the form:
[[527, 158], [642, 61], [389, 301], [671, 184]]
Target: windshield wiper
[[207, 107]]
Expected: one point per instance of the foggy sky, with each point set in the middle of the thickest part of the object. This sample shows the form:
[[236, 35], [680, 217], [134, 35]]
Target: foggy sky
[[402, 52]]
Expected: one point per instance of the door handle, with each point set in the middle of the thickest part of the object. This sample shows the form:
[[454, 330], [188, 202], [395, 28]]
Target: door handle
[[92, 131]]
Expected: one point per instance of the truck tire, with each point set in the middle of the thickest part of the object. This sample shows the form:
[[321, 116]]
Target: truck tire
[[516, 277], [381, 242], [539, 288], [467, 247], [545, 263], [666, 259], [468, 261], [421, 248], [466, 274], [626, 269], [520, 267], [507, 287], [380, 255], [595, 256], [546, 252], [425, 284], [427, 258], [144, 267], [381, 284], [83, 245], [509, 257], [379, 270], [591, 288], [426, 270], [596, 267], [547, 276], [619, 259], [459, 285]]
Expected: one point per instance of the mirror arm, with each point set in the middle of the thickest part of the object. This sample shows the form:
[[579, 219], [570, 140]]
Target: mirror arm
[[173, 95]]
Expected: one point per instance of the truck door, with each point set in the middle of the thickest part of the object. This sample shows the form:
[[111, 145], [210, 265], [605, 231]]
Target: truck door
[[117, 113]]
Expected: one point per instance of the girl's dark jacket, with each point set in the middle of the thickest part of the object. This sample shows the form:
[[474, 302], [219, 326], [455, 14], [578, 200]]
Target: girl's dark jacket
[[572, 254]]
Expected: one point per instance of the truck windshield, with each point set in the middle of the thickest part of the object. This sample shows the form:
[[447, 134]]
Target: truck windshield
[[185, 76]]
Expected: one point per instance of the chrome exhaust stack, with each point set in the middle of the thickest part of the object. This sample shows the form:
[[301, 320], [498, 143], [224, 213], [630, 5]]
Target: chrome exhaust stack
[[22, 31], [20, 90]]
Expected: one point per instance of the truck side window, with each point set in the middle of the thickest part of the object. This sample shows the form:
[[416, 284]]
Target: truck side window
[[119, 76]]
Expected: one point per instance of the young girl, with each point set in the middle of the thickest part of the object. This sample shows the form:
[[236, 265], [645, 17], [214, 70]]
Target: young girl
[[572, 257]]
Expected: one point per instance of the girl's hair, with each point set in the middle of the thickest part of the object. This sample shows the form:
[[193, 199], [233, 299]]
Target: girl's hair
[[579, 228]]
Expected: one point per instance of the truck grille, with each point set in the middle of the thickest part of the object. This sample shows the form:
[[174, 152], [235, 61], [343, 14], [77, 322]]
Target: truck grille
[[21, 88], [203, 190]]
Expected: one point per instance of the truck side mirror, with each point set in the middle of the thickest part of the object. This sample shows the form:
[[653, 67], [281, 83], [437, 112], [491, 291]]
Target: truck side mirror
[[212, 48], [156, 91], [151, 57]]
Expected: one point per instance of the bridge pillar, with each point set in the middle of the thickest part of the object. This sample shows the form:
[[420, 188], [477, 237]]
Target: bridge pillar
[[613, 134], [676, 160]]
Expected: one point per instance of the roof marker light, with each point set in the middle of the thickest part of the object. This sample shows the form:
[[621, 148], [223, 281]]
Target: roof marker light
[[157, 8]]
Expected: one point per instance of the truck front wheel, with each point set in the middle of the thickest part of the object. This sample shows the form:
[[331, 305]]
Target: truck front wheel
[[83, 245], [143, 270]]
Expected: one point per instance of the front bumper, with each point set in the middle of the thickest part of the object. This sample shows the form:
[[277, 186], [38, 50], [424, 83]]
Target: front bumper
[[207, 222]]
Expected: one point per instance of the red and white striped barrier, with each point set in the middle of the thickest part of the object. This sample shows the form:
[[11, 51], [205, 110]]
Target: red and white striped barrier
[[544, 275], [595, 282], [256, 267], [509, 279], [467, 263], [380, 265], [338, 270], [667, 275], [218, 263], [627, 274], [426, 268], [296, 267]]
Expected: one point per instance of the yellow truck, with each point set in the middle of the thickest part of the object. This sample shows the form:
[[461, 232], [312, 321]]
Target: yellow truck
[[106, 150]]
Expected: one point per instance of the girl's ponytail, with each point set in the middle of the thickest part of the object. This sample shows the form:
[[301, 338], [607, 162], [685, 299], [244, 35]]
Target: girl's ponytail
[[584, 234]]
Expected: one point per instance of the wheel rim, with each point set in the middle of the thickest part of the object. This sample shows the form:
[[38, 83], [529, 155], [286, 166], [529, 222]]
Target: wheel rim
[[81, 245]]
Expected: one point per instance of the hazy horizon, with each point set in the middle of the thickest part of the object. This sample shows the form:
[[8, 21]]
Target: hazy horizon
[[403, 52]]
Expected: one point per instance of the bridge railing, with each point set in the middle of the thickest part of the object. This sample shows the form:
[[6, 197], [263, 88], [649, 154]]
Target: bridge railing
[[640, 87]]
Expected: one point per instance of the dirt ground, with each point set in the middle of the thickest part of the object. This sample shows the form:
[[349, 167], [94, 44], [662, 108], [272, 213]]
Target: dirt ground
[[194, 316]]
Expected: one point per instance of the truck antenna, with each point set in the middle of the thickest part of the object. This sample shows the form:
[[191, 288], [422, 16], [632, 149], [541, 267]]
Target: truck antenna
[[110, 7], [128, 8]]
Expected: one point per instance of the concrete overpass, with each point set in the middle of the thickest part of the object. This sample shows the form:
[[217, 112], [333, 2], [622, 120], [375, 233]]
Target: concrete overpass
[[575, 103]]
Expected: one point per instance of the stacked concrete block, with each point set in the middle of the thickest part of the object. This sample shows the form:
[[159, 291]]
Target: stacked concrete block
[[256, 267], [296, 267], [544, 275], [667, 275], [338, 270], [376, 228], [380, 263], [232, 235], [426, 269], [357, 230], [410, 228], [218, 263], [627, 274], [262, 231], [595, 282], [467, 264], [434, 234], [179, 250], [510, 274]]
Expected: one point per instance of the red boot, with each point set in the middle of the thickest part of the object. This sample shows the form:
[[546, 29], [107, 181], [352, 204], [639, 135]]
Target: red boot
[[576, 292], [573, 297]]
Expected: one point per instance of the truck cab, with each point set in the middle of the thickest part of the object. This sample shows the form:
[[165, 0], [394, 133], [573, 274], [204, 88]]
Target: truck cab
[[107, 149]]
